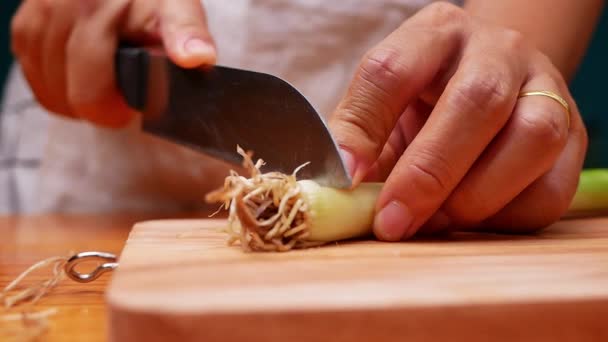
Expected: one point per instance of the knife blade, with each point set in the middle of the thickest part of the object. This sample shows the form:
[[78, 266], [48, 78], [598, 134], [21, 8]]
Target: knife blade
[[214, 109]]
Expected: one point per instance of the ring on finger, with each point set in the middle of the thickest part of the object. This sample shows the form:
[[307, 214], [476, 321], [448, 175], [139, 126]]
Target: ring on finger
[[552, 95]]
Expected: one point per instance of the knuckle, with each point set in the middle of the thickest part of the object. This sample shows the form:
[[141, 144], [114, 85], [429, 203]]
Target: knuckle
[[368, 112], [444, 12], [479, 91], [513, 40], [382, 70], [544, 125], [432, 173]]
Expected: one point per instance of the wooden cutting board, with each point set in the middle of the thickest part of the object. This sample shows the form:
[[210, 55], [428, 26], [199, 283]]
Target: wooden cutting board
[[179, 281]]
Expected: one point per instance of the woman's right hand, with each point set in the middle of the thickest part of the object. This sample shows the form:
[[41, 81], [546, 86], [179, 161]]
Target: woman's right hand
[[66, 49]]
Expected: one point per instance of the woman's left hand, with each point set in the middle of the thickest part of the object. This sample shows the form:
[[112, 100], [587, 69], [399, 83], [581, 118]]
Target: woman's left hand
[[434, 111]]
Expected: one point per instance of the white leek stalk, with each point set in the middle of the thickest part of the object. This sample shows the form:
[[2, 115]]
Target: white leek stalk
[[335, 214]]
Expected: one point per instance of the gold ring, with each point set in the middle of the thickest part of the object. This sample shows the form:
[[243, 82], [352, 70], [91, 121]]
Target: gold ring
[[551, 95]]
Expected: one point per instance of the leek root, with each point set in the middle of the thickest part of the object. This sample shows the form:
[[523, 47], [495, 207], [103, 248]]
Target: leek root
[[276, 212]]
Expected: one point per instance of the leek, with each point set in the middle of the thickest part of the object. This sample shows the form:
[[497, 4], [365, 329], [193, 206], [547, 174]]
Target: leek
[[592, 192], [276, 212]]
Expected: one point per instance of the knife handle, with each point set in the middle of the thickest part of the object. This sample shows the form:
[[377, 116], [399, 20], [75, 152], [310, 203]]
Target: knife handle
[[132, 65]]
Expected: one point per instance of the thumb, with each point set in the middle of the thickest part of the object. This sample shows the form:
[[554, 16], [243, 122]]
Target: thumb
[[186, 38]]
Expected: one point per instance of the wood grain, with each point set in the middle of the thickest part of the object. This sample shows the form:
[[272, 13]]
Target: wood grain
[[178, 280], [81, 309]]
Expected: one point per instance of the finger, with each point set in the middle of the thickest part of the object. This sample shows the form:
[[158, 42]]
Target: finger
[[387, 80], [185, 34], [411, 126], [27, 34], [92, 90], [524, 150], [549, 197], [474, 106], [391, 152], [413, 122], [62, 19], [408, 126], [142, 25]]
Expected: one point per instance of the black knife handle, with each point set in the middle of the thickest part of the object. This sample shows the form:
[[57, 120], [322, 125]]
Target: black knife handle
[[132, 75]]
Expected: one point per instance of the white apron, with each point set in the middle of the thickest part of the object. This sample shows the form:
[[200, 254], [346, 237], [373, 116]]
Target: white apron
[[51, 164]]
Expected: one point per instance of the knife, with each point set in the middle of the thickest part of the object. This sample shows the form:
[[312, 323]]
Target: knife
[[214, 109]]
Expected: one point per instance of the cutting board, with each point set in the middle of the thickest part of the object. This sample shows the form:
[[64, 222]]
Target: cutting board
[[179, 281]]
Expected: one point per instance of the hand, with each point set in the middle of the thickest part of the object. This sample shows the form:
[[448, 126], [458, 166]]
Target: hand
[[66, 49], [433, 110]]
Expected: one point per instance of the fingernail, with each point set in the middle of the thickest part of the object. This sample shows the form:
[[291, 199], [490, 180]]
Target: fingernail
[[349, 161], [393, 222], [196, 46], [353, 168]]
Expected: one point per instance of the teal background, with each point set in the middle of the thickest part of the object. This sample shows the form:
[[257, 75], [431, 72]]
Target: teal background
[[588, 87], [7, 8], [589, 90]]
